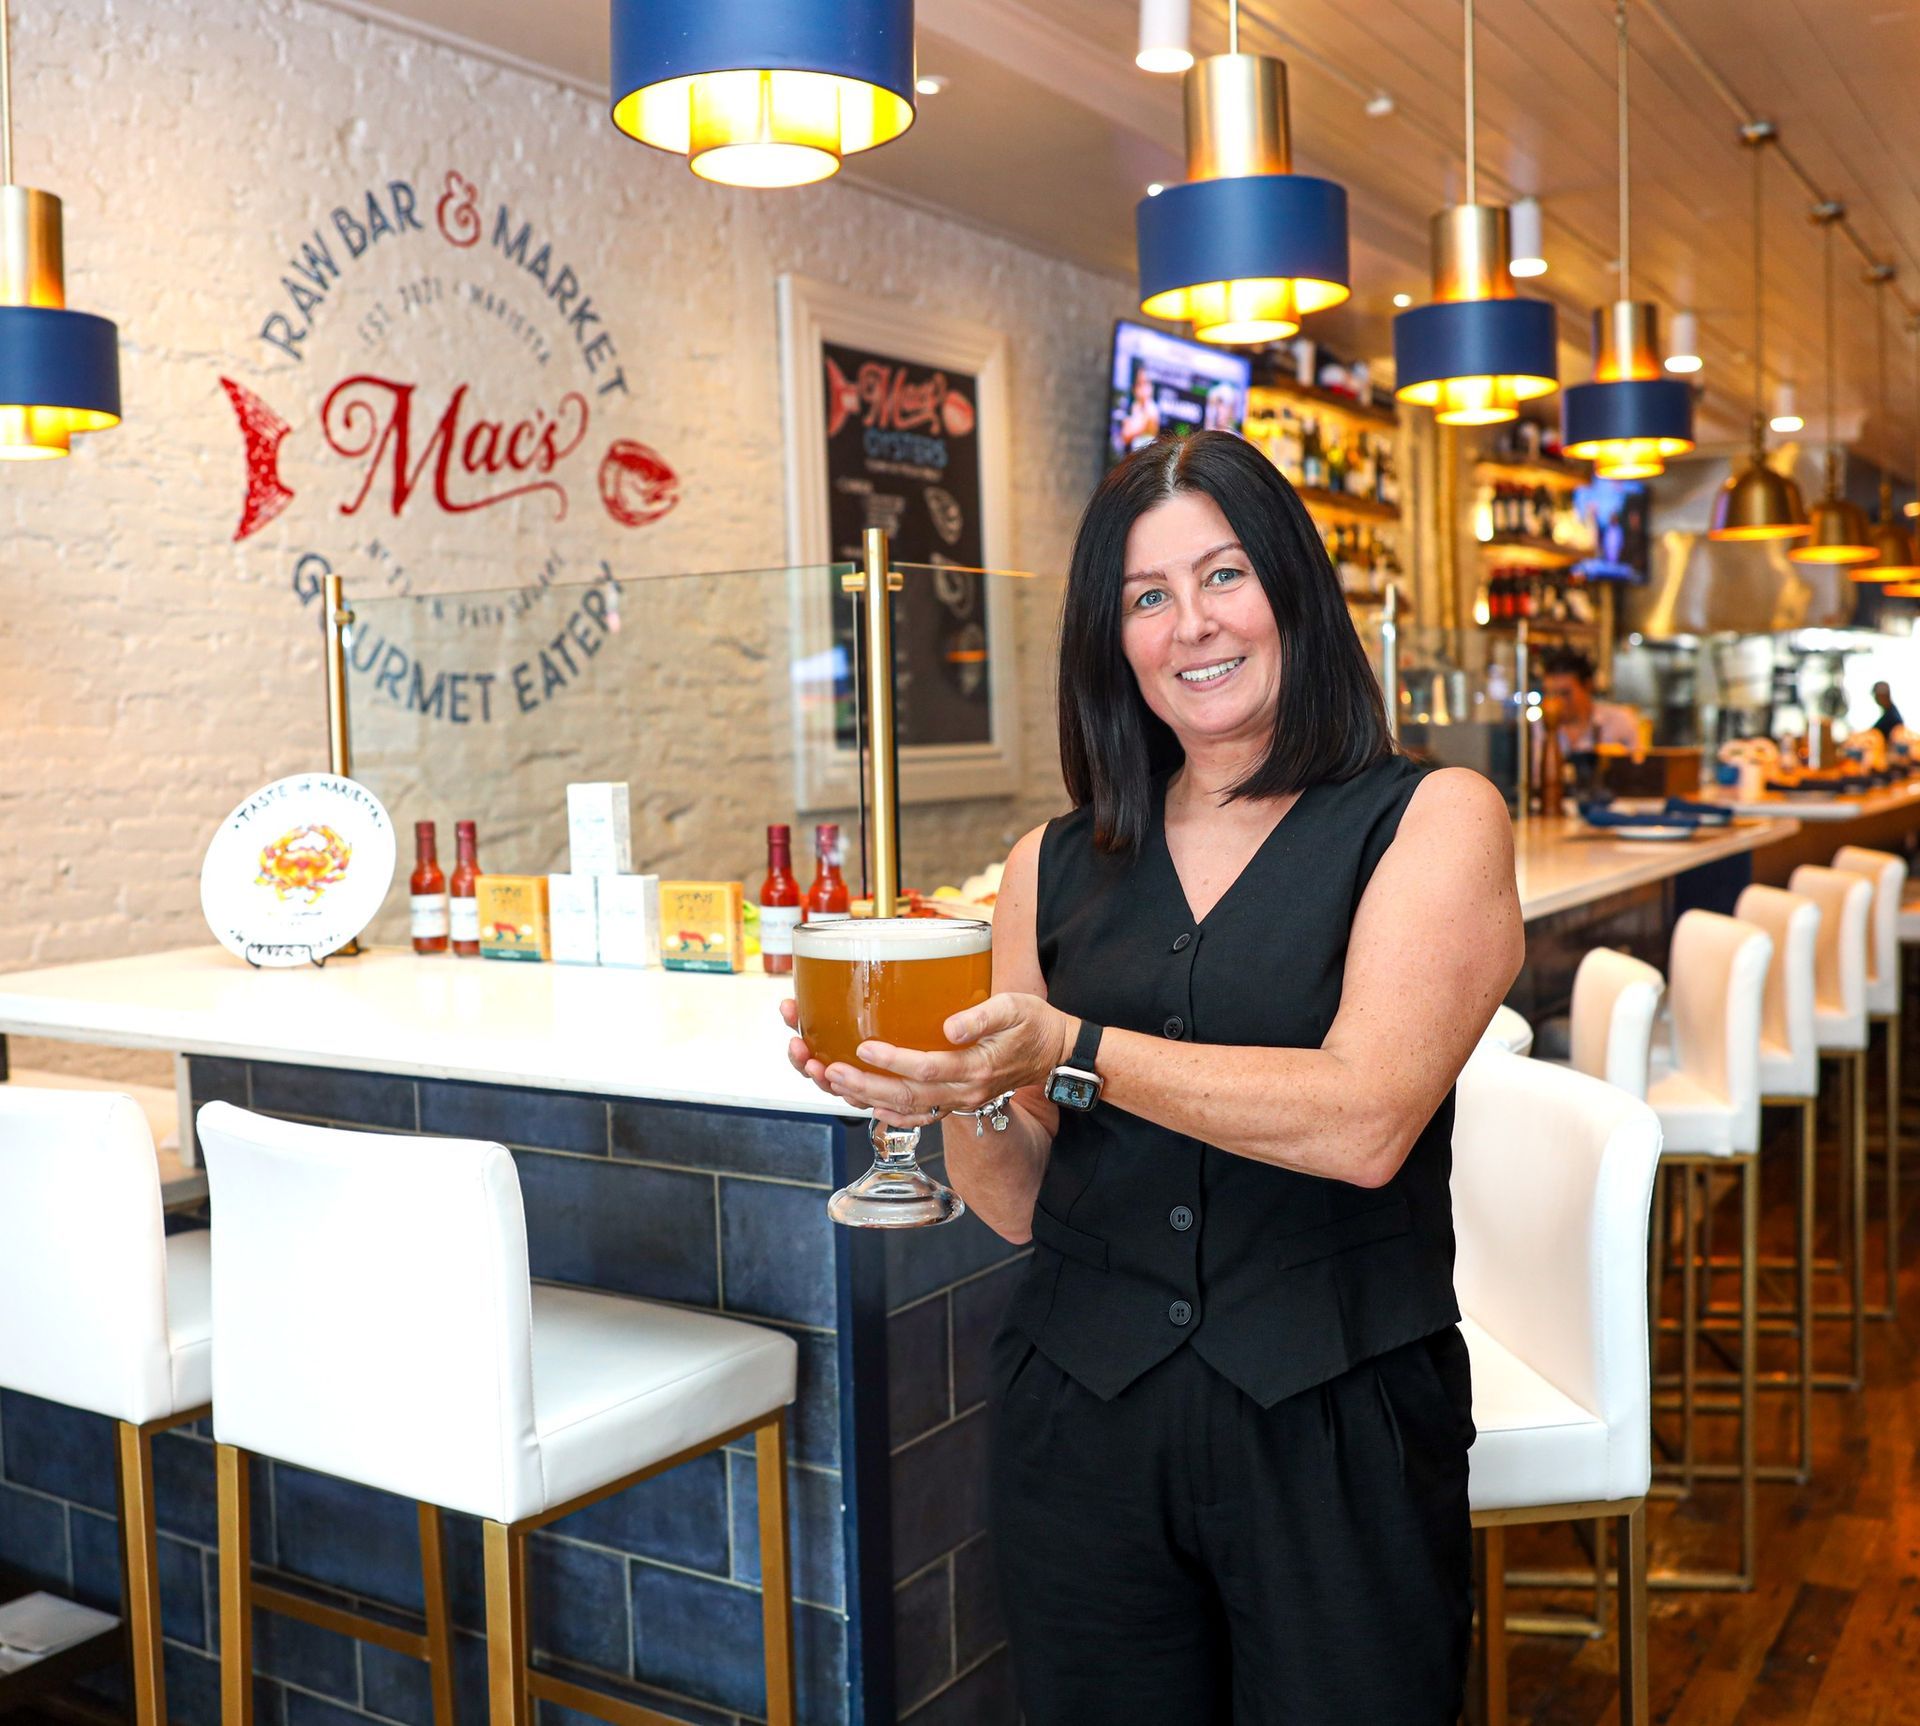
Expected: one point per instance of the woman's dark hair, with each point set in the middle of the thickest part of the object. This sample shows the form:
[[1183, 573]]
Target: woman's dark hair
[[1331, 721]]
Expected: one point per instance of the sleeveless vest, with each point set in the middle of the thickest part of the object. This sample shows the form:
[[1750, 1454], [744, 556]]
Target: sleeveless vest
[[1146, 1240]]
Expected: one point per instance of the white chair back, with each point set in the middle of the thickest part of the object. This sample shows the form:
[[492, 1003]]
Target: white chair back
[[1840, 952], [373, 1309], [1717, 968], [1552, 1183], [1790, 1056], [1615, 999], [83, 1255], [1888, 874], [1508, 1030]]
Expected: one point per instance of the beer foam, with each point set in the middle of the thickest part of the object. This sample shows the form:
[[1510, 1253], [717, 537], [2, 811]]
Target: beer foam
[[888, 940]]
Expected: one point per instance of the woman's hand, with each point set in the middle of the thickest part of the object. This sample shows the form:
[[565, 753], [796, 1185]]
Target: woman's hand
[[1006, 1042]]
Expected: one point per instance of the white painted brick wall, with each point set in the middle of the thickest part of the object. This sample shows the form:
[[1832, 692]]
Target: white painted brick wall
[[152, 671]]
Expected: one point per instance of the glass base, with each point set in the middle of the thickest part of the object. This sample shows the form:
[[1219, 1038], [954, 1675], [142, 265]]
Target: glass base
[[896, 1193]]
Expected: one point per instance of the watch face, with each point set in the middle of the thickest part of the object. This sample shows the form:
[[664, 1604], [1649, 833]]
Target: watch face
[[1073, 1091]]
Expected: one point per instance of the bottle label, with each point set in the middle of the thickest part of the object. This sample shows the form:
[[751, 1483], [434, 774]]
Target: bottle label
[[776, 928], [466, 919], [429, 915]]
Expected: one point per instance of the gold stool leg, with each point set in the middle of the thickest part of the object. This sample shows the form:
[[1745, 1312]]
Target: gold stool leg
[[1749, 1358], [1490, 1565], [1858, 1196], [1635, 1709], [1892, 1307], [234, 1487], [1803, 1270], [776, 1575], [508, 1702], [1689, 1328], [433, 1580], [140, 1576]]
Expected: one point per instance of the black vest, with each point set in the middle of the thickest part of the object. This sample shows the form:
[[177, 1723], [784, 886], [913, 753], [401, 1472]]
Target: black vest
[[1146, 1240]]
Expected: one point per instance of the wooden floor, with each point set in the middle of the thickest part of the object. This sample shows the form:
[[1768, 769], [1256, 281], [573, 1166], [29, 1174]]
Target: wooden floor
[[1830, 1635]]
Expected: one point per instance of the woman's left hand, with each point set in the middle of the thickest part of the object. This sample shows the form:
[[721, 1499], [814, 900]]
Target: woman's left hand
[[1004, 1043]]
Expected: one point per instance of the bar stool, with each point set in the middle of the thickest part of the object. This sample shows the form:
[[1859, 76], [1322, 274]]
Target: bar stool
[[1509, 1031], [1615, 1000], [1888, 874], [1840, 1030], [1706, 1091], [437, 1371], [1551, 1176], [121, 1322]]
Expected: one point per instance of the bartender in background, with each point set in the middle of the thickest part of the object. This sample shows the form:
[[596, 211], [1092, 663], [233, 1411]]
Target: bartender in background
[[1889, 714], [1584, 723]]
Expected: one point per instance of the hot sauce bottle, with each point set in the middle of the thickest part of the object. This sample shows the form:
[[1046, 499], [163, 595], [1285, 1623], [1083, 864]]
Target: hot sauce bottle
[[827, 899], [428, 887], [464, 902], [779, 904]]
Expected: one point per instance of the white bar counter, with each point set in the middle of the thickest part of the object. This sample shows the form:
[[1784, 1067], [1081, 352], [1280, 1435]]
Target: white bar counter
[[1811, 806], [1562, 863], [669, 1036]]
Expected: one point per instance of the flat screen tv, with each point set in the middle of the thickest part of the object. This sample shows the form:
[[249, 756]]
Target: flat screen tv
[[1616, 511], [1159, 383]]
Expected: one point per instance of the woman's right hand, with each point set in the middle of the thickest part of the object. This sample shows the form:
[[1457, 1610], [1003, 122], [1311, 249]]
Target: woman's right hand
[[799, 1056]]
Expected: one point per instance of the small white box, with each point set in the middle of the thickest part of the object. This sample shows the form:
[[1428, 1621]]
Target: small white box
[[573, 919], [600, 828], [629, 919]]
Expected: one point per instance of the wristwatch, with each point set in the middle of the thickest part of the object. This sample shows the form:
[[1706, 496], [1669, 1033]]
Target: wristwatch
[[1074, 1084]]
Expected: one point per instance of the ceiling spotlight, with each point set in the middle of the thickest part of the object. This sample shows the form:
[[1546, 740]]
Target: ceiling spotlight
[[930, 83], [1380, 106], [1786, 416], [1163, 37], [1154, 189], [1683, 343], [1403, 301], [1529, 253]]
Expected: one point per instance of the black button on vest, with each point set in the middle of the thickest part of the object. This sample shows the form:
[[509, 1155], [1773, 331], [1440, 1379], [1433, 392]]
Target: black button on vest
[[1299, 1278]]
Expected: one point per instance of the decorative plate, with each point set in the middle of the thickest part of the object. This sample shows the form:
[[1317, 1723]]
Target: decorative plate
[[298, 870], [1649, 832]]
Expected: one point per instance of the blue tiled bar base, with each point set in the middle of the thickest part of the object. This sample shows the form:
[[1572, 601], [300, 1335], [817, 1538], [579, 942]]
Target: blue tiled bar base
[[652, 1595]]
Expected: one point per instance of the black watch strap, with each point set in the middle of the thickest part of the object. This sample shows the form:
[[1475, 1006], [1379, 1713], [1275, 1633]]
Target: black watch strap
[[1086, 1046]]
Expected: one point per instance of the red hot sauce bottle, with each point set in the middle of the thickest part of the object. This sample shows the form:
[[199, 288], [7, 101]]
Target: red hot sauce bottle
[[464, 902], [779, 904], [427, 906], [827, 898]]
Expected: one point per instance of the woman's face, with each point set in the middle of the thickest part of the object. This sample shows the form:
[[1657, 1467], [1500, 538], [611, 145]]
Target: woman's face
[[1196, 627]]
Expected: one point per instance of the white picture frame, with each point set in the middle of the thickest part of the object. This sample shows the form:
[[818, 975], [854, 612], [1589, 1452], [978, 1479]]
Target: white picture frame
[[812, 314]]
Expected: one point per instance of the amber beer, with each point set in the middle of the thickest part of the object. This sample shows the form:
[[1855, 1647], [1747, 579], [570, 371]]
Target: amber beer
[[895, 979]]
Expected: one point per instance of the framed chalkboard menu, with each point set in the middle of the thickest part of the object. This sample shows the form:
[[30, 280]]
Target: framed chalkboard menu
[[897, 420]]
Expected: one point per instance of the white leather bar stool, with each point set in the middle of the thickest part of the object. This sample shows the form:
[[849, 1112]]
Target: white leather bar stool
[[1888, 874], [434, 1369], [101, 1309], [1841, 1031], [1615, 1000], [1508, 1030], [1706, 1091], [1552, 1173]]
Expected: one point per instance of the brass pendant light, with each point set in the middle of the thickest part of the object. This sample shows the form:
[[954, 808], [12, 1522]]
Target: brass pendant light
[[1632, 418], [1758, 503], [1839, 526], [1893, 549]]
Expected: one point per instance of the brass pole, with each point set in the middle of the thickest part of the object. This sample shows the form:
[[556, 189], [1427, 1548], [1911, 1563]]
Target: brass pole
[[339, 745], [1390, 657], [883, 811]]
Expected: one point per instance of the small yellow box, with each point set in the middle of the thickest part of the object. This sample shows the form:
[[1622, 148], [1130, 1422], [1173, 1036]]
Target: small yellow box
[[700, 926], [513, 918]]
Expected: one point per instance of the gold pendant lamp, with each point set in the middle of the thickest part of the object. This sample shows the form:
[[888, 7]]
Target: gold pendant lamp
[[1632, 418], [59, 369], [1893, 549], [1840, 532], [1758, 503]]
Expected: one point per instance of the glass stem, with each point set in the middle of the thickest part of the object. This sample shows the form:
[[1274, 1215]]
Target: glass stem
[[893, 1147]]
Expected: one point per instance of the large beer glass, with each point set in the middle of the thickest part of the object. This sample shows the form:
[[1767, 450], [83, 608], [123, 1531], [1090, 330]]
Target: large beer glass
[[896, 980]]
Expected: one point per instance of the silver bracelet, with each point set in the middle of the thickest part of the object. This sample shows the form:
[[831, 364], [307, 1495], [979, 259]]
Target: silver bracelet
[[994, 1110]]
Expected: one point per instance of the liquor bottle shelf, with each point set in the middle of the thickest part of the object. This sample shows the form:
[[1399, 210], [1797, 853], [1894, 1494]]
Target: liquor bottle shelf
[[1544, 470], [1326, 401], [1568, 628], [1348, 504], [1523, 551]]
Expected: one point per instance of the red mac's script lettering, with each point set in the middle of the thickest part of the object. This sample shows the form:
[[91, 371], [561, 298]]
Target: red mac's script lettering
[[372, 418]]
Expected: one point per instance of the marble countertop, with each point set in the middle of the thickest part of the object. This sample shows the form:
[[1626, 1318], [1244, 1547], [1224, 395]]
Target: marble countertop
[[1853, 806], [667, 1035], [1561, 862]]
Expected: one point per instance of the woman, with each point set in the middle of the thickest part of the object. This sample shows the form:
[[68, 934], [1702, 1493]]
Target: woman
[[1230, 1470]]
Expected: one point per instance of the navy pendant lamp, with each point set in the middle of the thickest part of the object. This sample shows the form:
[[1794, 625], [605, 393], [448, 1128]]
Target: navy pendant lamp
[[1477, 350], [1632, 418], [763, 92], [1244, 248], [1839, 528], [59, 370]]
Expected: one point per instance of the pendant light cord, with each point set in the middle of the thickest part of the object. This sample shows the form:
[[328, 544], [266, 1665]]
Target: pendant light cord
[[1832, 447], [1759, 296], [1233, 27], [1472, 175], [1626, 238], [6, 98]]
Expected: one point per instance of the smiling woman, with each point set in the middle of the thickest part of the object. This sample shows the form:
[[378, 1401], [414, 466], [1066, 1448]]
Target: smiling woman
[[1233, 990]]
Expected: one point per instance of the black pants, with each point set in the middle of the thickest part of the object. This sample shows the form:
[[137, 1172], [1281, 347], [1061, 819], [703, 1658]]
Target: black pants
[[1180, 1556]]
